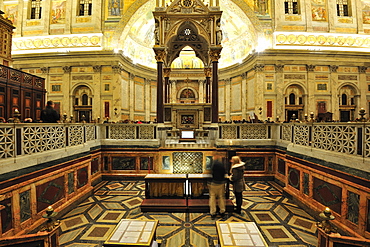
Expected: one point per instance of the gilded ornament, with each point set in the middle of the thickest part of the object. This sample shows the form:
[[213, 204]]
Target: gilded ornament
[[46, 42], [311, 39], [321, 39], [56, 42], [340, 40], [75, 41], [85, 40], [29, 43], [331, 40], [281, 38], [350, 41], [37, 43], [95, 40], [359, 41], [66, 41], [291, 38], [301, 39]]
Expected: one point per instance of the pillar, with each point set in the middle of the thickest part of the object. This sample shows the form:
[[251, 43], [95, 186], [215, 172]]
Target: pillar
[[167, 89], [160, 54], [334, 89], [208, 73]]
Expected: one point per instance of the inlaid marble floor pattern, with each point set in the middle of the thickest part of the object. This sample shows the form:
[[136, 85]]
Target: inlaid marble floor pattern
[[281, 222]]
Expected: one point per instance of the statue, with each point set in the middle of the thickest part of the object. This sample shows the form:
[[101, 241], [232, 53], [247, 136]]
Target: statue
[[156, 33], [218, 33]]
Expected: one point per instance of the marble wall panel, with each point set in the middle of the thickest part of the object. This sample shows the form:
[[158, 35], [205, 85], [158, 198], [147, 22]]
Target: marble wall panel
[[254, 163], [281, 166], [327, 194], [123, 163], [82, 177], [294, 178], [49, 193], [236, 97], [6, 215], [71, 182], [353, 206], [139, 97], [306, 183], [25, 205], [95, 165]]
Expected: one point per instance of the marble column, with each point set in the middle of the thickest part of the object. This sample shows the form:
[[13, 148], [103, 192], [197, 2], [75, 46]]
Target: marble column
[[45, 13], [167, 90], [160, 55], [208, 73]]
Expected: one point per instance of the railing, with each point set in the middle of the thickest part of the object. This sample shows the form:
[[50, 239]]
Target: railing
[[25, 139], [346, 138]]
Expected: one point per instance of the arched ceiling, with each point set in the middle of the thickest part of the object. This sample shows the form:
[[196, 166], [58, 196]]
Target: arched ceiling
[[239, 35]]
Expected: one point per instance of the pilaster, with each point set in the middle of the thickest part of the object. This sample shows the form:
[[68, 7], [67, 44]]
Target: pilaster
[[363, 87], [45, 16], [97, 107], [259, 89], [227, 99], [201, 91], [132, 96], [67, 102], [311, 89], [279, 87], [148, 100], [334, 91]]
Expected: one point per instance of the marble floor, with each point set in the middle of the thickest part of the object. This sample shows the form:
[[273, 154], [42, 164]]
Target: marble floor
[[281, 222]]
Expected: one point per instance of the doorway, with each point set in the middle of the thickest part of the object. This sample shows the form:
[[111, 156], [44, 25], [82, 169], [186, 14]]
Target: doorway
[[345, 116]]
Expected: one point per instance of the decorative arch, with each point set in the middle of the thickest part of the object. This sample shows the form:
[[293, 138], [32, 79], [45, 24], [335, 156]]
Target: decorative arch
[[182, 90], [299, 85], [187, 33], [350, 85]]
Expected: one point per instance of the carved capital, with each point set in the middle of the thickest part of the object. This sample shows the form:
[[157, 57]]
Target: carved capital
[[279, 68], [228, 81], [45, 70], [244, 75], [259, 67], [166, 72], [160, 55], [67, 69], [208, 72], [310, 67], [132, 77], [116, 69], [333, 68], [97, 68], [173, 81], [214, 55], [362, 69]]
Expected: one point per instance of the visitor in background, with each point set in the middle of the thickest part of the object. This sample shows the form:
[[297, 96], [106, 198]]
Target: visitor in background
[[49, 114], [217, 188], [237, 179]]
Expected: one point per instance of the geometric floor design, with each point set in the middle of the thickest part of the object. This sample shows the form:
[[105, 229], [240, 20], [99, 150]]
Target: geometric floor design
[[282, 223]]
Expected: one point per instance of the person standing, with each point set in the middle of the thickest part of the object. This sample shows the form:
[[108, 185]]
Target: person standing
[[49, 114], [237, 178], [217, 188]]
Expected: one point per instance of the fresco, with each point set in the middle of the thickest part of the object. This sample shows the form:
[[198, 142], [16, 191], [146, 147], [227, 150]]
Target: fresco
[[11, 12], [318, 8], [366, 11], [58, 12]]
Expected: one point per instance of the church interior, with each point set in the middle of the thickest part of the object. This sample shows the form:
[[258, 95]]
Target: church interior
[[150, 91]]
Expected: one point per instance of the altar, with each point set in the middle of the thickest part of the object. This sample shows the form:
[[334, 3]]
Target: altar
[[179, 193]]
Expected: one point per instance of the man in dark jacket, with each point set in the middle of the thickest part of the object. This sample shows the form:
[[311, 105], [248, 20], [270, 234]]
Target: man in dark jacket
[[217, 188], [49, 114]]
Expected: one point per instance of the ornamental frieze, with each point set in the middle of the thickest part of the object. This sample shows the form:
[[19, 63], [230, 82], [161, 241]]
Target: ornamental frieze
[[294, 76], [318, 39], [347, 77], [70, 41]]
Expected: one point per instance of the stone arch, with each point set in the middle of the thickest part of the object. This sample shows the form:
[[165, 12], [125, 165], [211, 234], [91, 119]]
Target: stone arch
[[196, 94]]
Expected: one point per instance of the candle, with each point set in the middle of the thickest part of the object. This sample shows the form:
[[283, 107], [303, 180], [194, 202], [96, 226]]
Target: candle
[[16, 110]]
